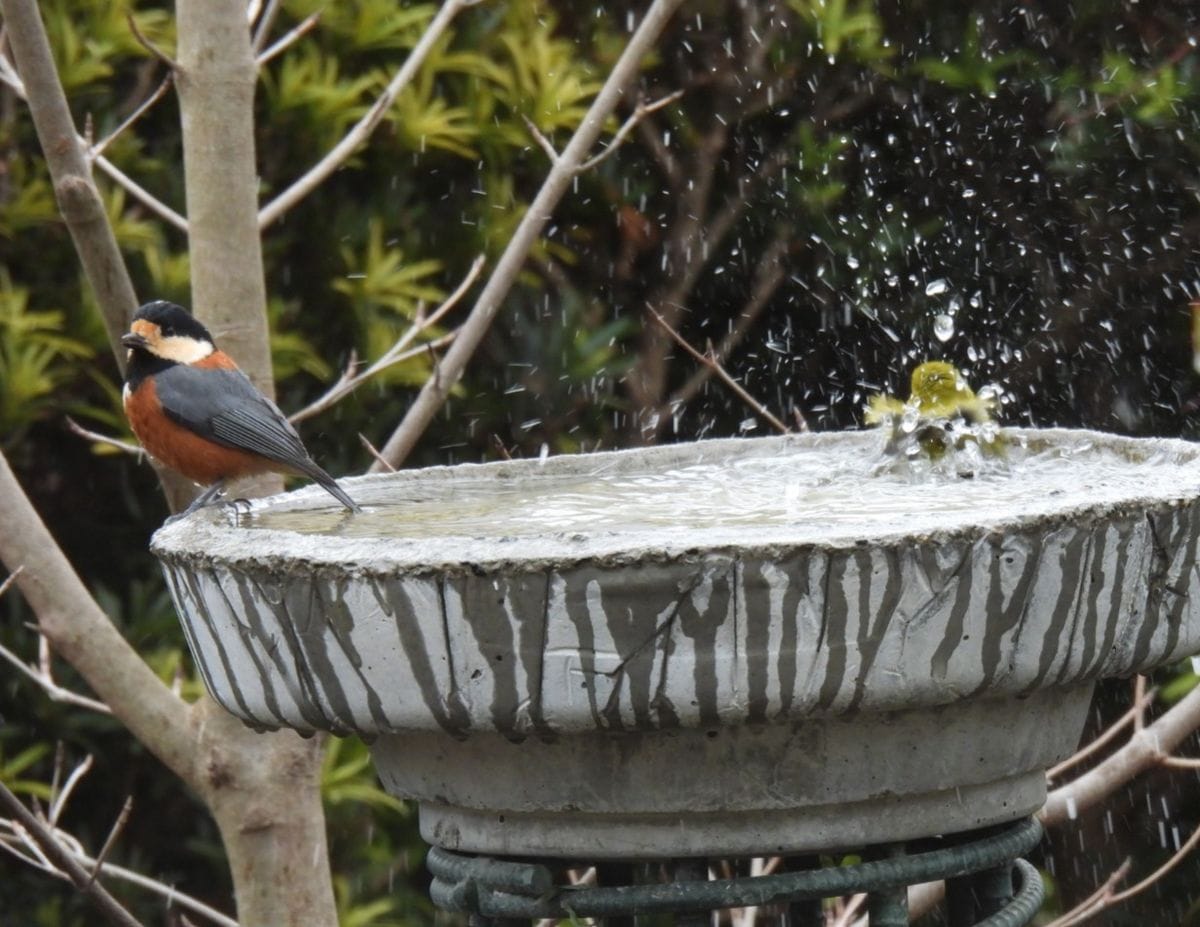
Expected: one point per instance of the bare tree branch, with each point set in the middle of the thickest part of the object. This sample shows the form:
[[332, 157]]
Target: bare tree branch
[[349, 382], [562, 172], [81, 633], [640, 112], [97, 438], [56, 692], [21, 845], [148, 45], [1147, 748], [140, 193], [263, 29], [113, 834], [538, 136], [60, 797], [1134, 716], [770, 273], [708, 360], [1073, 916], [362, 130], [667, 162], [384, 466], [64, 860], [289, 39], [98, 148]]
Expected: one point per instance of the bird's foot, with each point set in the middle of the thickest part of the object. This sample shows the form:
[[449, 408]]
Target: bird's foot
[[234, 509], [209, 496]]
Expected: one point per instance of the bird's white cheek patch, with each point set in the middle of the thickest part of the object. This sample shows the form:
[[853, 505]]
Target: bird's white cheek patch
[[182, 350]]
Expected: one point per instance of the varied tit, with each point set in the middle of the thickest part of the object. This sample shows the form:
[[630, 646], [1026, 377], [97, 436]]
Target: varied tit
[[194, 410], [942, 411]]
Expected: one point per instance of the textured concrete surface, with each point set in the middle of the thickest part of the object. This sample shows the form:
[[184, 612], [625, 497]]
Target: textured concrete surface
[[676, 635]]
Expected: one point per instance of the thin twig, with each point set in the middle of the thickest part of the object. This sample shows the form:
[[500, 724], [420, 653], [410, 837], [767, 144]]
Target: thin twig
[[1181, 762], [94, 151], [148, 45], [349, 382], [263, 29], [662, 154], [768, 276], [60, 799], [562, 173], [148, 199], [374, 452], [170, 893], [500, 448], [10, 579], [56, 692], [850, 910], [1132, 716], [640, 112], [92, 157], [98, 438], [540, 138], [1083, 909], [708, 360], [1139, 694], [1176, 858], [118, 826], [65, 860], [289, 38], [362, 129]]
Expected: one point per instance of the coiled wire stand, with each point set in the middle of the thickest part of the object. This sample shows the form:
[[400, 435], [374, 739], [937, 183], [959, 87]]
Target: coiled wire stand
[[987, 885]]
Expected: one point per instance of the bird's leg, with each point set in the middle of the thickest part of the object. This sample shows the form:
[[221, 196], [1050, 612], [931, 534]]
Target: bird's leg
[[206, 497], [200, 501]]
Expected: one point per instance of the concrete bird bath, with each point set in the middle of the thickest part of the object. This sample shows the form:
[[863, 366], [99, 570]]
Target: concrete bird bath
[[723, 648]]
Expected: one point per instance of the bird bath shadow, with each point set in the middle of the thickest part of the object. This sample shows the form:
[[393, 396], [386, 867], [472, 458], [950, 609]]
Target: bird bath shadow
[[728, 647]]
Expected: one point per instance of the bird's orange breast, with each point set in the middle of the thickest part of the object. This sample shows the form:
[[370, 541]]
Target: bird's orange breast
[[199, 459]]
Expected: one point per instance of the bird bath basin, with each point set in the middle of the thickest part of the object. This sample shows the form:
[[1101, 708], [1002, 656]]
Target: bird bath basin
[[730, 647]]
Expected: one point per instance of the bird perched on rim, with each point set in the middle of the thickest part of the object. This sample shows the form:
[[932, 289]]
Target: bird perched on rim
[[194, 410]]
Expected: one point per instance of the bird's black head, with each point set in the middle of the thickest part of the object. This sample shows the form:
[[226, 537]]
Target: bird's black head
[[169, 333], [162, 334]]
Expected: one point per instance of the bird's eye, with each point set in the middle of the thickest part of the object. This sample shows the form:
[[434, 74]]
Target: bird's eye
[[167, 331]]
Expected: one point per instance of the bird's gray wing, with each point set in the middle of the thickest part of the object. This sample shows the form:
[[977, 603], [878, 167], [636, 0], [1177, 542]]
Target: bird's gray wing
[[225, 407]]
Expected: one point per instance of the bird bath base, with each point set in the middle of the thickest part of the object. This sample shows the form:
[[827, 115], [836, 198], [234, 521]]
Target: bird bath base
[[985, 879], [812, 785]]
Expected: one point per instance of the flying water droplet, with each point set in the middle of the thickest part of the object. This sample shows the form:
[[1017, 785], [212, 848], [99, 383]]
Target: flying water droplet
[[943, 326], [936, 287]]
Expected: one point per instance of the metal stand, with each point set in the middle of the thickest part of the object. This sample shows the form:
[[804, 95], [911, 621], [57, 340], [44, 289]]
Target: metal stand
[[987, 885]]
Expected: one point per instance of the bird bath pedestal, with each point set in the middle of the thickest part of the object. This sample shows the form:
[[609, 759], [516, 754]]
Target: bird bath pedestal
[[757, 646]]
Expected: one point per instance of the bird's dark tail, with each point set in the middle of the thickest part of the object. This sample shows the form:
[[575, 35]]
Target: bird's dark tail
[[329, 484]]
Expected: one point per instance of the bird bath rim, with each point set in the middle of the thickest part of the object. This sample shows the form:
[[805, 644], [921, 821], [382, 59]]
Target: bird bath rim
[[215, 532]]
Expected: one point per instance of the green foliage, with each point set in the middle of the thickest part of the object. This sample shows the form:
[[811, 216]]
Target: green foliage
[[842, 27], [974, 67], [13, 768], [33, 371], [348, 776]]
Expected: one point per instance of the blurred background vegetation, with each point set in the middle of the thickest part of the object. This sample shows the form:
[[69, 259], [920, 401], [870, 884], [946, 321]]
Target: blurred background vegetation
[[846, 188]]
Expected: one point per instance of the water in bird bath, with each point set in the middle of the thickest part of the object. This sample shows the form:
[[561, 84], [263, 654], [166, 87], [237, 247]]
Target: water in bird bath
[[847, 488]]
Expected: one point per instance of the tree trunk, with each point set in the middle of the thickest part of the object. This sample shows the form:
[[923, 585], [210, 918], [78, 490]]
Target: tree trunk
[[261, 788]]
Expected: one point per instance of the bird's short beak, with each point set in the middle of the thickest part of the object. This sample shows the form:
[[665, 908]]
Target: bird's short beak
[[134, 340]]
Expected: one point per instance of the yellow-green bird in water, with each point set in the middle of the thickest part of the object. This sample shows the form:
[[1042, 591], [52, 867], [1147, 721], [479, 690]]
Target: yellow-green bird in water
[[942, 411]]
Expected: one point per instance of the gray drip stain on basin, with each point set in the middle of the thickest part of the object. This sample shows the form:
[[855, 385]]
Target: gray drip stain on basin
[[727, 647]]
